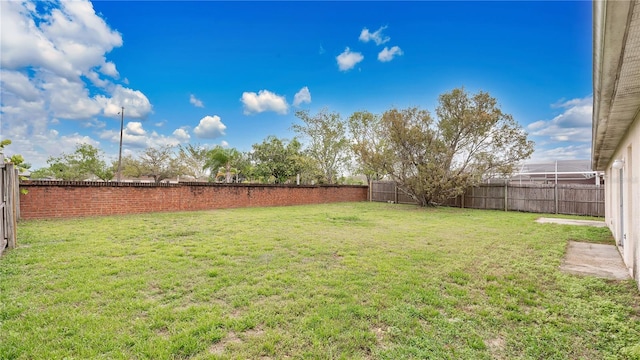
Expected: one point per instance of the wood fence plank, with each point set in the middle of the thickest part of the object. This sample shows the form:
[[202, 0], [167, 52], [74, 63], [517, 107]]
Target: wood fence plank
[[3, 218], [570, 199], [11, 178]]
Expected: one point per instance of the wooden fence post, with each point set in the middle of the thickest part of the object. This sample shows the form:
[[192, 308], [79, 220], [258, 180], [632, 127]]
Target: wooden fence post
[[10, 205], [506, 189], [555, 195], [16, 197], [3, 222], [598, 202], [395, 195]]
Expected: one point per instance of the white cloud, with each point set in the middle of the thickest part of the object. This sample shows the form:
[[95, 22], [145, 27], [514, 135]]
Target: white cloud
[[54, 68], [135, 128], [388, 54], [578, 112], [568, 135], [195, 101], [37, 147], [135, 136], [96, 80], [91, 123], [302, 96], [70, 141], [263, 101], [135, 103], [224, 144], [182, 135], [366, 36], [210, 127], [540, 124], [569, 152], [573, 124], [573, 102], [348, 59], [68, 40], [68, 99], [129, 139], [109, 68], [18, 84]]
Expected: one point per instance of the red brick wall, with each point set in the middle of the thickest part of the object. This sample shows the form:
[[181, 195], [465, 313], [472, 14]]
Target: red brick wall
[[46, 199]]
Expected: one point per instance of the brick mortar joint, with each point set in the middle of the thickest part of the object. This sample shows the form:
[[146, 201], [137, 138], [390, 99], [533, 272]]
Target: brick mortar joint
[[113, 184]]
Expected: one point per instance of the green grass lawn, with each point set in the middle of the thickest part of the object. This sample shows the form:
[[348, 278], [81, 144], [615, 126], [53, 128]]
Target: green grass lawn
[[351, 280]]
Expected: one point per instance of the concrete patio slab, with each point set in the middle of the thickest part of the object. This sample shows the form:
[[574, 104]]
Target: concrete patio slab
[[594, 259], [595, 223]]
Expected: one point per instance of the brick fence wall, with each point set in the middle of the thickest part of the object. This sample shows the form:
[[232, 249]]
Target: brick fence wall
[[46, 199]]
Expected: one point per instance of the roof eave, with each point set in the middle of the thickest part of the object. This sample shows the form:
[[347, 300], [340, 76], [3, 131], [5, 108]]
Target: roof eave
[[609, 36]]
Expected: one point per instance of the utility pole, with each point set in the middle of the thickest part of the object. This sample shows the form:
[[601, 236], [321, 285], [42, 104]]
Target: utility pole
[[120, 153]]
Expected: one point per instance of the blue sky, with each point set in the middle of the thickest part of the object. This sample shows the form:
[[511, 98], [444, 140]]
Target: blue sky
[[234, 73]]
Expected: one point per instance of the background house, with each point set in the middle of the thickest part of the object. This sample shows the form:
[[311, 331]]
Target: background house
[[560, 172], [616, 120]]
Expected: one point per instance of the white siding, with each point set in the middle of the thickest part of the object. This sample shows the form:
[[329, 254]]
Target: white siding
[[629, 228]]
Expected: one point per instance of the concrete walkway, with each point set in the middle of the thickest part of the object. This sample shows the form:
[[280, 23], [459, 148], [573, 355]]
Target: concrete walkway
[[595, 223], [590, 259], [594, 259]]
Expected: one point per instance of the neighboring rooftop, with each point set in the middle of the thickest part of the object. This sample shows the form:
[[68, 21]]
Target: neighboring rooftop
[[616, 75], [561, 171], [559, 166]]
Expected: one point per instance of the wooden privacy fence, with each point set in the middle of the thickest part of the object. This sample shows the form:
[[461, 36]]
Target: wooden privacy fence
[[9, 206], [570, 199]]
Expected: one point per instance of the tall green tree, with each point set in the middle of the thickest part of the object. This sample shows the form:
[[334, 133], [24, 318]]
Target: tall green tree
[[244, 167], [368, 144], [415, 155], [160, 163], [472, 140], [483, 140], [278, 159], [86, 161], [325, 136], [193, 159], [4, 143], [17, 160], [220, 157], [42, 173], [131, 166]]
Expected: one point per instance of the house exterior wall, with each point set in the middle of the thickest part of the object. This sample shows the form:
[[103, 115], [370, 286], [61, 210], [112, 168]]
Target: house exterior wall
[[623, 217]]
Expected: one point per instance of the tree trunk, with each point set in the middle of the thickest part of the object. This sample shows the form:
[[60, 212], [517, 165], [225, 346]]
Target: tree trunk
[[228, 175]]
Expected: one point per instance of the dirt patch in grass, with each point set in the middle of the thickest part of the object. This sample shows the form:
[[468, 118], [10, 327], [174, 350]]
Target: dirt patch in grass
[[163, 332], [236, 313], [381, 335], [253, 332], [220, 347], [496, 347]]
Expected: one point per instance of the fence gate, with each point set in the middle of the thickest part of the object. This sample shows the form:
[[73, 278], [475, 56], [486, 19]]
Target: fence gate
[[9, 198]]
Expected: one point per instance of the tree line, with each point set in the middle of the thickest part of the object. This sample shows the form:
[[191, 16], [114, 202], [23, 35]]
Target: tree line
[[431, 158]]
